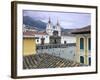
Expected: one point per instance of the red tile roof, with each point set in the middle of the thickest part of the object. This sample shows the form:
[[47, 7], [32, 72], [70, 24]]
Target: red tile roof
[[28, 33], [33, 33], [46, 60], [41, 33]]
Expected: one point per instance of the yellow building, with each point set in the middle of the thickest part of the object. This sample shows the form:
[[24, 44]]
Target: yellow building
[[83, 45], [29, 44]]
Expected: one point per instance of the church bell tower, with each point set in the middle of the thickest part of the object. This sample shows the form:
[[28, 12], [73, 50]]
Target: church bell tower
[[58, 28], [49, 27]]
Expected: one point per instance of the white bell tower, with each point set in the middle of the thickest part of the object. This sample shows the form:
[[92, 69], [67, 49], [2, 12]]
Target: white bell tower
[[49, 27], [58, 28]]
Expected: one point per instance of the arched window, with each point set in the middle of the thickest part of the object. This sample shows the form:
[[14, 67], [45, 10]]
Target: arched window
[[64, 42], [89, 44], [81, 59], [81, 43], [89, 60]]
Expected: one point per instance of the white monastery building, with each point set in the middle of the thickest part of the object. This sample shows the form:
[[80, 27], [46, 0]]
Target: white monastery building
[[65, 38], [52, 34]]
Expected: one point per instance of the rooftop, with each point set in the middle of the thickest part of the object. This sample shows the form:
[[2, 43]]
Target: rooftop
[[45, 60], [66, 34], [83, 30], [33, 33]]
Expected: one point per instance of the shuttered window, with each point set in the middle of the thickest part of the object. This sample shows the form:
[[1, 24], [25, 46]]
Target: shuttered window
[[81, 43], [89, 43]]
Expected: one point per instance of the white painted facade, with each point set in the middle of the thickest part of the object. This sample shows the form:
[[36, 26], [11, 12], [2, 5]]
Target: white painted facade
[[68, 39], [50, 28], [46, 38], [27, 29]]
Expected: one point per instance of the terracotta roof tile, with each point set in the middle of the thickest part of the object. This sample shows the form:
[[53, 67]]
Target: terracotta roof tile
[[33, 33], [45, 60], [28, 33]]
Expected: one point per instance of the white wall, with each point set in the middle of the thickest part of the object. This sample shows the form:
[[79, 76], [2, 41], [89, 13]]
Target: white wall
[[5, 41], [68, 39], [46, 38]]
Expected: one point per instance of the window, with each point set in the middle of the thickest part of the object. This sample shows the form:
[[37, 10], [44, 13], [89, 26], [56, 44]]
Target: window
[[89, 44], [64, 42], [81, 59], [81, 43], [37, 40], [89, 60]]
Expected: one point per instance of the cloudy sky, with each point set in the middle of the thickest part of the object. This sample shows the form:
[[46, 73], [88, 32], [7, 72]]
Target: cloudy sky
[[67, 20]]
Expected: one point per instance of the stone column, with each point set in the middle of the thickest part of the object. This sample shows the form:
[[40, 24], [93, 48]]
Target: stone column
[[77, 54], [85, 51]]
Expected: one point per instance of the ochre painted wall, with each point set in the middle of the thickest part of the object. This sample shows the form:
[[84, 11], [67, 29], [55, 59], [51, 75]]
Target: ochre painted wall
[[77, 49], [29, 46], [85, 53]]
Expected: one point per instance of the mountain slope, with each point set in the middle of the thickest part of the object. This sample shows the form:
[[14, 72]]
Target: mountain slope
[[32, 22], [39, 25]]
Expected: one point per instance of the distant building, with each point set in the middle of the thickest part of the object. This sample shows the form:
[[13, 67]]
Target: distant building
[[56, 35], [29, 44], [51, 28], [43, 37], [83, 45], [51, 35], [28, 28], [67, 38], [55, 39]]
